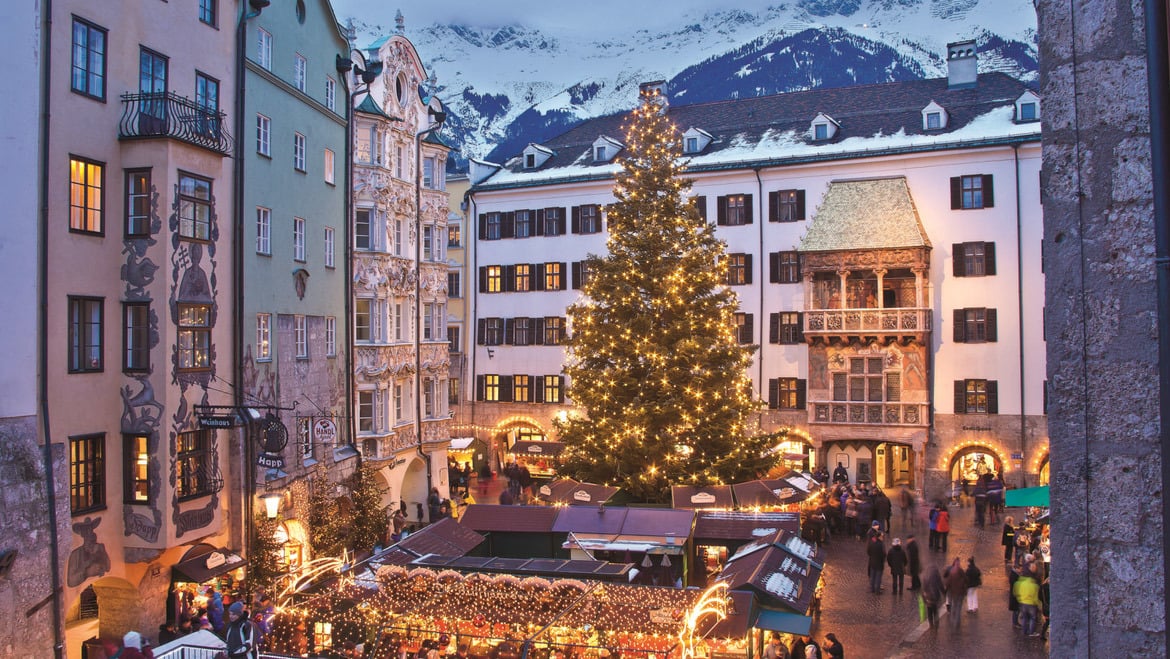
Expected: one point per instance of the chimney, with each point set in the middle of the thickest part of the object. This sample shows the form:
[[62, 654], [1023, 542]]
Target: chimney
[[962, 64], [654, 93]]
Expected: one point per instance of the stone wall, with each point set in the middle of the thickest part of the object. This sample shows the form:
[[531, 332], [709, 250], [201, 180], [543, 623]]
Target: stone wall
[[26, 608], [1108, 551]]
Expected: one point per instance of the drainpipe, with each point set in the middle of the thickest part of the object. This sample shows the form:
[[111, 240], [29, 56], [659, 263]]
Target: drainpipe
[[1020, 304], [471, 311], [42, 340], [1158, 70], [246, 472], [763, 281]]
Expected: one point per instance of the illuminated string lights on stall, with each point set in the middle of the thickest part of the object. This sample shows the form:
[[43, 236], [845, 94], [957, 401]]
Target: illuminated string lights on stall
[[711, 604]]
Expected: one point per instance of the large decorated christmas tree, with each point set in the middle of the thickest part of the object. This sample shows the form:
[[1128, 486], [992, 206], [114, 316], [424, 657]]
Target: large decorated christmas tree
[[654, 365]]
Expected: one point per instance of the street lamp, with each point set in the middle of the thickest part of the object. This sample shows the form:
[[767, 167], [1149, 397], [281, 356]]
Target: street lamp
[[272, 502], [437, 116]]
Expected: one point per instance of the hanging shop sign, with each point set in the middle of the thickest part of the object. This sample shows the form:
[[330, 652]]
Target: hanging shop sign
[[217, 422], [325, 431], [273, 437]]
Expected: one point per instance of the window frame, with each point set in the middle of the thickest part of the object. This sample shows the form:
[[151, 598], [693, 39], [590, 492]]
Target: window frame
[[366, 424], [263, 337], [554, 276], [192, 471], [739, 266], [368, 224], [86, 74], [973, 259], [137, 216], [87, 473], [493, 279], [491, 388], [786, 267], [209, 12], [521, 389], [136, 469], [300, 72], [330, 93], [493, 331], [79, 308], [136, 338], [85, 212], [330, 248], [301, 336], [196, 203], [744, 329], [330, 336], [299, 152], [330, 165], [368, 315], [192, 332], [264, 231], [264, 48], [299, 240], [554, 330], [787, 394], [263, 135], [454, 284]]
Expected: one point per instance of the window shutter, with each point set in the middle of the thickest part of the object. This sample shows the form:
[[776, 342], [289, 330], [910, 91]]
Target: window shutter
[[481, 331], [960, 397], [538, 331], [483, 226], [800, 326], [774, 267], [747, 266], [988, 191], [576, 274], [773, 393], [506, 388], [747, 209], [508, 224], [749, 328], [774, 328], [538, 270], [721, 210], [993, 397], [801, 394], [576, 227], [509, 331], [800, 204], [701, 204], [989, 316], [956, 192], [960, 330], [483, 279], [563, 283], [538, 388], [774, 206], [538, 230], [989, 258], [561, 223], [480, 386], [509, 275], [958, 253]]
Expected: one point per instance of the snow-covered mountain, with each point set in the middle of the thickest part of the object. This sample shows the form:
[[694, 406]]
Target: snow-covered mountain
[[506, 87]]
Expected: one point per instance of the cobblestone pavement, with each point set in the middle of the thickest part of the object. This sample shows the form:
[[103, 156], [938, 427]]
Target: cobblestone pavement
[[887, 625]]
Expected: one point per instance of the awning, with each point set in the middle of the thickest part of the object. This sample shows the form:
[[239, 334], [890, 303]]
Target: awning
[[551, 449], [206, 566], [782, 621], [632, 543], [1027, 496], [461, 443]]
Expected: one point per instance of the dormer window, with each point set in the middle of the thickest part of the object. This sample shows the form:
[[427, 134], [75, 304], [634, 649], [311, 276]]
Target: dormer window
[[692, 144], [1028, 107], [530, 161], [599, 154], [934, 117], [821, 132], [695, 140], [536, 155], [1027, 111], [823, 127], [605, 148]]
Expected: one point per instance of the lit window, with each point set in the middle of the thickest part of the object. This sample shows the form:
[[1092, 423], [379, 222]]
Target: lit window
[[553, 277], [136, 468], [194, 336], [491, 390], [87, 473], [86, 195], [263, 336], [85, 334], [193, 467], [493, 279]]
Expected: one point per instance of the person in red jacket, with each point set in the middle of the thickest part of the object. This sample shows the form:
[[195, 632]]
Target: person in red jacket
[[943, 523]]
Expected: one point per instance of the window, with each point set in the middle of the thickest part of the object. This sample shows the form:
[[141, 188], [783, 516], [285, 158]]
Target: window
[[428, 313], [136, 469], [263, 336], [264, 48], [554, 390], [399, 244], [975, 325], [207, 99], [529, 161], [582, 272], [970, 192], [524, 220], [89, 59], [733, 210], [136, 336], [365, 411], [263, 135], [786, 206], [976, 397], [491, 224], [933, 120], [152, 85], [453, 339], [87, 473], [432, 177], [330, 259], [521, 331], [329, 173], [398, 400], [207, 11], [786, 394], [493, 279], [305, 437], [587, 219], [85, 334], [521, 389], [453, 288], [87, 200], [739, 269], [263, 230], [1027, 112], [300, 68], [137, 203], [692, 145], [362, 317], [453, 391], [298, 239], [973, 259], [599, 154], [743, 328], [554, 330], [330, 336], [491, 388], [428, 391], [194, 336], [554, 221], [785, 267], [428, 244], [554, 279], [301, 337], [299, 152], [522, 281], [194, 207], [362, 234], [399, 159], [398, 324], [785, 328], [193, 464], [492, 331], [454, 237], [821, 132], [330, 92]]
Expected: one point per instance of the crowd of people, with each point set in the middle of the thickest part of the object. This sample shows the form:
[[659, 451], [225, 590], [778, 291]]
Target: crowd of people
[[804, 647]]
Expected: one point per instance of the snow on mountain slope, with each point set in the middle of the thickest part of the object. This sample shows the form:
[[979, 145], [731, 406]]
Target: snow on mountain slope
[[507, 86]]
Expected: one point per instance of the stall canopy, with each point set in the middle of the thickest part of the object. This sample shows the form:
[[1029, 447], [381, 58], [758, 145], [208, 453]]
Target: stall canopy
[[203, 563], [785, 490], [646, 530], [782, 570], [551, 449], [712, 496], [1027, 496], [461, 443], [782, 621], [569, 492]]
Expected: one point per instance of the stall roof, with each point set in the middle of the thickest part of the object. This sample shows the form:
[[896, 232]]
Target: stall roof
[[753, 494], [739, 525], [199, 566], [713, 496], [782, 573], [569, 491], [525, 447], [787, 491], [461, 443], [563, 568], [446, 537], [637, 543], [589, 519], [483, 517]]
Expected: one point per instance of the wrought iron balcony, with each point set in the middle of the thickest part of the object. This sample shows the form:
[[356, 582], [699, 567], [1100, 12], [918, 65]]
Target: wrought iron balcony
[[889, 414], [164, 114], [896, 320]]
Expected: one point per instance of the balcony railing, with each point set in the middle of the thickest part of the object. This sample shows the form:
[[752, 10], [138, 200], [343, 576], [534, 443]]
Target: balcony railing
[[904, 320], [163, 114], [888, 414]]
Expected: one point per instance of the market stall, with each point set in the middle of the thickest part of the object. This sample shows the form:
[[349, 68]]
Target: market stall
[[717, 497], [568, 492], [539, 457], [203, 572]]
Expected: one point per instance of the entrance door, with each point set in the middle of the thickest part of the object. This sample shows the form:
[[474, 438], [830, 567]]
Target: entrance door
[[895, 465]]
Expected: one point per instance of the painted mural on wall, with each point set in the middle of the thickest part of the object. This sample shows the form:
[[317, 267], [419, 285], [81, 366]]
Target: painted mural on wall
[[90, 559], [141, 411], [193, 282]]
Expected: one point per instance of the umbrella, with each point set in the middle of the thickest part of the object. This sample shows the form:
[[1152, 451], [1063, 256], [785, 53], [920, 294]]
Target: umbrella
[[1027, 496]]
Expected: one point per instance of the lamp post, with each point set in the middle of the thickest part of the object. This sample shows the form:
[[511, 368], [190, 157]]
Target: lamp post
[[437, 116]]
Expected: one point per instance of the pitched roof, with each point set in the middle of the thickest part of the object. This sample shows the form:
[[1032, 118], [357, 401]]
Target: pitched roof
[[765, 130], [370, 106], [509, 519], [732, 525], [865, 214]]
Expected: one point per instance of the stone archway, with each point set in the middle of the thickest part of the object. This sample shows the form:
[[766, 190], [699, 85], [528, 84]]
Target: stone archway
[[972, 461], [118, 606]]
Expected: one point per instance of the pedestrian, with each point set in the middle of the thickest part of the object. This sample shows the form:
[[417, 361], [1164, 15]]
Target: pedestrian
[[994, 498], [812, 650], [167, 633], [934, 527], [896, 559], [974, 581], [875, 549], [955, 588], [397, 525], [241, 635], [833, 647], [913, 562], [943, 526], [841, 474], [1045, 608], [798, 645], [1008, 539], [1013, 604], [906, 506], [775, 649], [132, 647], [882, 508], [433, 503], [932, 594], [1027, 593], [215, 610], [981, 500], [849, 503]]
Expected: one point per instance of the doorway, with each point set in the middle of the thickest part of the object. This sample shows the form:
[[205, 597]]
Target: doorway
[[894, 465]]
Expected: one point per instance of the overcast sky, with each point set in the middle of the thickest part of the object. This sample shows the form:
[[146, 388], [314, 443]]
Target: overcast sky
[[550, 14]]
